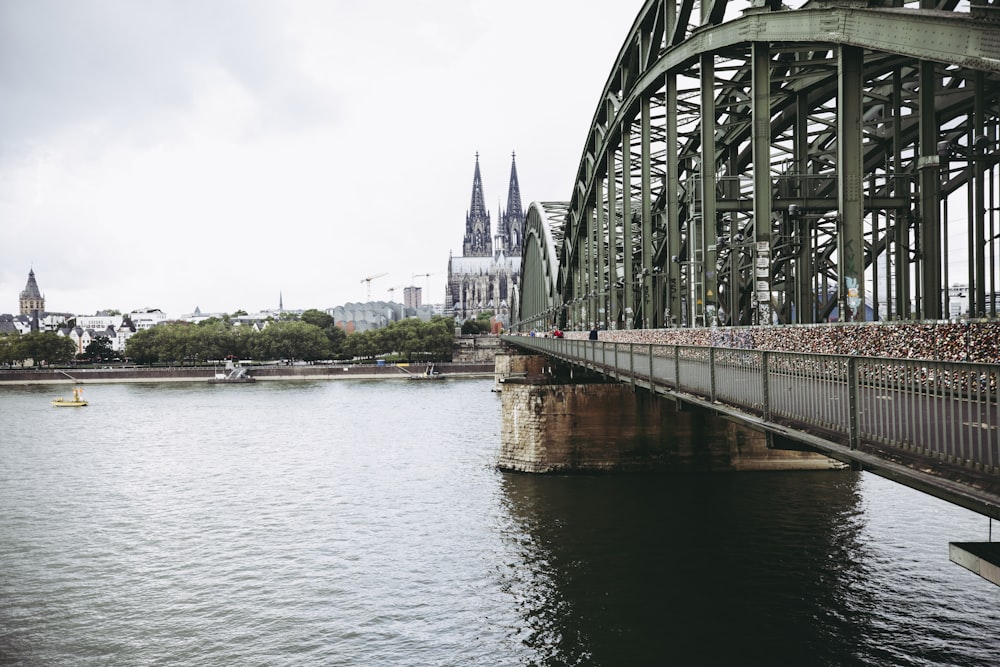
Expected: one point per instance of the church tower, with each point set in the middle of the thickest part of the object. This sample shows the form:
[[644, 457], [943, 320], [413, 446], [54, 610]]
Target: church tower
[[512, 220], [483, 279], [32, 301], [478, 233]]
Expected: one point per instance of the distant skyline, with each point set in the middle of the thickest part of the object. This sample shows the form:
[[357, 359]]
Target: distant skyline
[[176, 154]]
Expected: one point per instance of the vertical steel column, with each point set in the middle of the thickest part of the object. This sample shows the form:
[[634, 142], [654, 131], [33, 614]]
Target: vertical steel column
[[929, 259], [591, 267], [850, 205], [576, 267], [805, 296], [673, 267], [646, 240], [978, 149], [704, 264], [762, 194], [612, 189], [894, 284], [628, 236], [600, 315]]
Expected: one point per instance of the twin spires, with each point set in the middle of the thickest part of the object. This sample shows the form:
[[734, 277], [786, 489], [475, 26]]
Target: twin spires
[[478, 227]]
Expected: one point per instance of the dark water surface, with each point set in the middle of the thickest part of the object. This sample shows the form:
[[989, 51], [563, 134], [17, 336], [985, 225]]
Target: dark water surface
[[363, 523]]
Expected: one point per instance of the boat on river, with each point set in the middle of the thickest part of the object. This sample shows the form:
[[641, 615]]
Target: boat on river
[[76, 402], [428, 374], [235, 374]]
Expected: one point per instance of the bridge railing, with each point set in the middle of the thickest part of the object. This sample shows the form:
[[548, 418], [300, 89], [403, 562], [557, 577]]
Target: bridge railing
[[940, 409]]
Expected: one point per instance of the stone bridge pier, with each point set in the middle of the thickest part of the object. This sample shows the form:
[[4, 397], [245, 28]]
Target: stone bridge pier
[[557, 419]]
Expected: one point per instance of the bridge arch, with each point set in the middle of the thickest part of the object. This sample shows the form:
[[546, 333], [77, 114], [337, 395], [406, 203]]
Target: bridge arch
[[538, 301], [852, 168]]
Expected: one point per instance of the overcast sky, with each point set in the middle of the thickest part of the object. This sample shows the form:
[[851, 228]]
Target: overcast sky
[[215, 153]]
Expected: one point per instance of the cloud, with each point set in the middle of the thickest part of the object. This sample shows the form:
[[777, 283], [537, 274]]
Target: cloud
[[179, 153]]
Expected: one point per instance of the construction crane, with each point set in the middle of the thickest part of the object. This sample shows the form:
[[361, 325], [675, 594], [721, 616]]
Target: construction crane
[[369, 280], [393, 289], [414, 277]]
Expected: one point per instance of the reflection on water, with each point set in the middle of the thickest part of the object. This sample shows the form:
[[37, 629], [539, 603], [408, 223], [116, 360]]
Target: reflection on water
[[759, 568], [364, 523]]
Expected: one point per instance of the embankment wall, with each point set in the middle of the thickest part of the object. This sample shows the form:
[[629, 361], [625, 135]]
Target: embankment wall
[[260, 373]]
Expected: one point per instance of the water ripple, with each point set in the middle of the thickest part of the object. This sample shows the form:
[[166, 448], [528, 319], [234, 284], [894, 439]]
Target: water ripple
[[362, 523]]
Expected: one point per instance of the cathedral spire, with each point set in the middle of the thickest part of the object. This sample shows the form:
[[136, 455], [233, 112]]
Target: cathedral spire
[[512, 220], [513, 190], [478, 206], [478, 233]]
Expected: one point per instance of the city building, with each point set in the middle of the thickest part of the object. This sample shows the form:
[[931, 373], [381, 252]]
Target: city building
[[483, 277], [32, 301], [411, 297]]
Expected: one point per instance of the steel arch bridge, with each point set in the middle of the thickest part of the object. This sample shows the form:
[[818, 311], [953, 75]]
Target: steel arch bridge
[[755, 163]]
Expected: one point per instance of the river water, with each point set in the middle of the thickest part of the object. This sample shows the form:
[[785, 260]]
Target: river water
[[363, 523]]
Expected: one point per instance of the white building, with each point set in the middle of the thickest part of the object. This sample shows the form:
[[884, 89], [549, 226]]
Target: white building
[[146, 318]]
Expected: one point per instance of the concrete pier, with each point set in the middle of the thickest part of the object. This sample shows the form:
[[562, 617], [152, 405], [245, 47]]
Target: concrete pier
[[556, 419]]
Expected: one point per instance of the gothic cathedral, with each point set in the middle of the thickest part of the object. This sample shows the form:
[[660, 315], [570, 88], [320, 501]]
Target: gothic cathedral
[[484, 278]]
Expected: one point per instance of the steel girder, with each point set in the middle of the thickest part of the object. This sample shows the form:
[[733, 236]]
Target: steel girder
[[835, 136], [537, 303]]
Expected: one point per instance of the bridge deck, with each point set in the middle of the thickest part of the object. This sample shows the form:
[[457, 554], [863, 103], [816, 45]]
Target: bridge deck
[[942, 441]]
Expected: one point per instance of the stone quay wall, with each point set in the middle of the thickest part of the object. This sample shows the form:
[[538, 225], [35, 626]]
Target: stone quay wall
[[260, 373], [551, 425], [476, 349]]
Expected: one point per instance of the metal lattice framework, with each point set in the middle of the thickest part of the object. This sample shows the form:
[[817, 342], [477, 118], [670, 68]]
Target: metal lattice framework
[[764, 164]]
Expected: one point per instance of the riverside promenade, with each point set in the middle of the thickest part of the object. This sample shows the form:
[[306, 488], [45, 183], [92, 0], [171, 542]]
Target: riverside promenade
[[43, 376]]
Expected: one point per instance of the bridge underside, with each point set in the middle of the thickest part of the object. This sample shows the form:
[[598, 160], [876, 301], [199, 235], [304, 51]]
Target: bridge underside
[[760, 164]]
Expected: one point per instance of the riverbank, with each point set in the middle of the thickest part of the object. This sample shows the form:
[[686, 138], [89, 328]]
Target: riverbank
[[40, 376]]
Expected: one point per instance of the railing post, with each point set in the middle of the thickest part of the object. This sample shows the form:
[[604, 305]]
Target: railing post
[[852, 401], [765, 386], [650, 367], [711, 374], [677, 368], [631, 363]]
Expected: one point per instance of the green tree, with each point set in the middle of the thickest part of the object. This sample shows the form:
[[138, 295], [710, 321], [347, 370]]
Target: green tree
[[160, 344], [413, 339], [360, 345], [46, 346], [334, 334], [290, 340], [439, 337], [98, 349], [317, 318], [8, 349]]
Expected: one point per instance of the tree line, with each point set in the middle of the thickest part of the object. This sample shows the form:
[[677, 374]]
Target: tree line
[[47, 345], [311, 337]]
